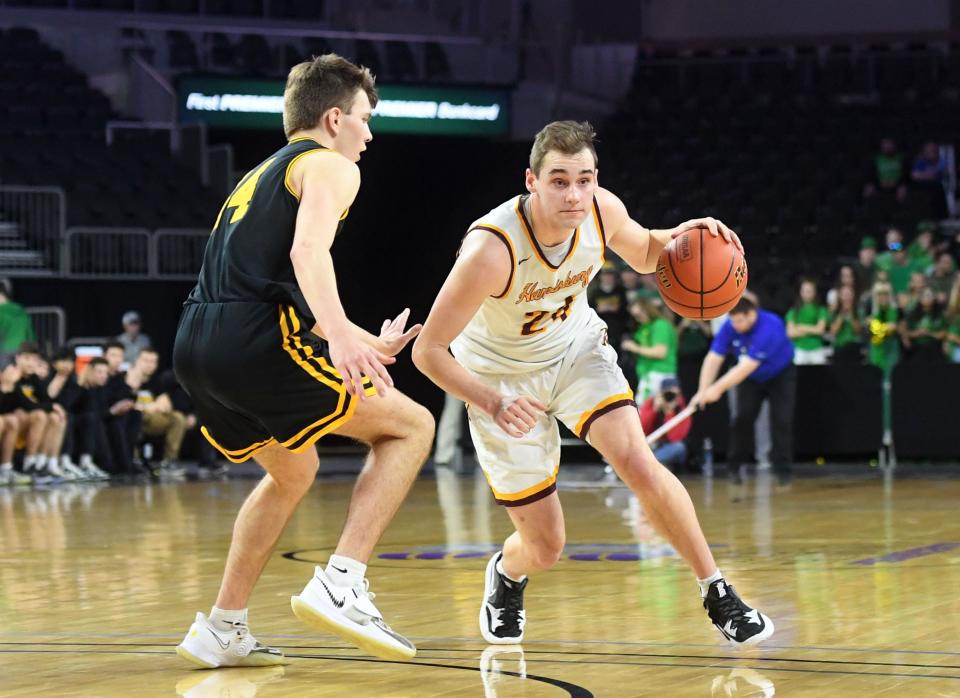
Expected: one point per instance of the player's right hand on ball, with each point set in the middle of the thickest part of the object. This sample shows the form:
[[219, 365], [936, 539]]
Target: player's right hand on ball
[[519, 414], [354, 360]]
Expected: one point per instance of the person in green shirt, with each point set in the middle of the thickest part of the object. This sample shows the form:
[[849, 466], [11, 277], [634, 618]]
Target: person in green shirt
[[15, 325], [806, 324], [846, 328], [655, 345], [883, 324], [952, 343], [888, 172], [921, 251], [926, 329], [941, 277]]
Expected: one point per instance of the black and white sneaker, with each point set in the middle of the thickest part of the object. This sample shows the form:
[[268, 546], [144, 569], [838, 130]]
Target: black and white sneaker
[[501, 615], [737, 622]]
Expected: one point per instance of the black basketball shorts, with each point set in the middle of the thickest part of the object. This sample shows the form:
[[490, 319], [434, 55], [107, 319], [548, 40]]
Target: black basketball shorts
[[258, 376]]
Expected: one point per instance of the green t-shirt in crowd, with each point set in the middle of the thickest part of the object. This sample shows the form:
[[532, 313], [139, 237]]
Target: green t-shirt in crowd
[[846, 335], [899, 275], [919, 257], [889, 170], [808, 315], [15, 326], [655, 333], [932, 322], [693, 341]]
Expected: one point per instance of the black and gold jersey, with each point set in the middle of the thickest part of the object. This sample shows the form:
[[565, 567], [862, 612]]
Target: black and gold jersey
[[247, 258]]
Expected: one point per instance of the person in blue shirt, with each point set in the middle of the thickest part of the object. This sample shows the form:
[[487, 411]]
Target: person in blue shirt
[[758, 341]]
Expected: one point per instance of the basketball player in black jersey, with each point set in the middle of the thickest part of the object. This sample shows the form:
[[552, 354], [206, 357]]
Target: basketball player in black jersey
[[272, 363]]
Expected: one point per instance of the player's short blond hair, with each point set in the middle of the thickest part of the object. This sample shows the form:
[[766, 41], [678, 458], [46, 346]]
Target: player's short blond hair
[[567, 137], [320, 84]]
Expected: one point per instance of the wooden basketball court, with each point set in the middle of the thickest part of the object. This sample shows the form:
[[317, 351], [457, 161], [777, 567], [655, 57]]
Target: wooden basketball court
[[97, 585]]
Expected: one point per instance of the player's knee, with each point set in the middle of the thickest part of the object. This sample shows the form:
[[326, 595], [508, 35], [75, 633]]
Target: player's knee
[[548, 549], [641, 469], [420, 424]]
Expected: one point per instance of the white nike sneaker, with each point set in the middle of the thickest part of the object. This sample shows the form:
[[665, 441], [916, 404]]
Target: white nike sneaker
[[349, 612], [68, 466], [211, 648]]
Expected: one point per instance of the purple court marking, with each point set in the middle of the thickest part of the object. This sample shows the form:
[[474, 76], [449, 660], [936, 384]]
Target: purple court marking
[[431, 556], [623, 557], [585, 557], [908, 554], [461, 556], [393, 556]]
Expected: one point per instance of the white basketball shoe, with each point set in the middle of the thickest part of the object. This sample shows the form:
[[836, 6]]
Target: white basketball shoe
[[349, 612], [210, 647]]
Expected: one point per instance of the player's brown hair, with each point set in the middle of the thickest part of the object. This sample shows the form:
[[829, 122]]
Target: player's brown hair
[[320, 84], [567, 137]]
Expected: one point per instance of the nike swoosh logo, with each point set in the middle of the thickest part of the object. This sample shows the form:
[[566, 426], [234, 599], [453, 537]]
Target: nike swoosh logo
[[336, 602], [338, 569], [522, 261], [223, 645]]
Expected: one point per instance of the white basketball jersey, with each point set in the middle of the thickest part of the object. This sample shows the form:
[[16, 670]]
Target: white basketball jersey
[[543, 308]]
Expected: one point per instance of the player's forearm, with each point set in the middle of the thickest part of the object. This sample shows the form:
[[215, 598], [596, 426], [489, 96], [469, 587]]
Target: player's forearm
[[709, 370], [658, 240], [313, 268], [436, 363]]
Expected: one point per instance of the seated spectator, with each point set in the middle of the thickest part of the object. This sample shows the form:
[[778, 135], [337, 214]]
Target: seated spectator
[[123, 421], [847, 276], [655, 346], [883, 324], [921, 250], [865, 268], [63, 388], [927, 175], [132, 339], [92, 410], [46, 462], [159, 417], [895, 262], [888, 175], [610, 301], [952, 343], [929, 166], [26, 420], [909, 299], [846, 328], [806, 325], [926, 329], [941, 277], [15, 325], [693, 340], [657, 410]]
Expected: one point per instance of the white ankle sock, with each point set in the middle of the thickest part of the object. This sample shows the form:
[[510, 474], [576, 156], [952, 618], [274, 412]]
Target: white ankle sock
[[223, 618], [501, 571], [707, 581], [345, 571], [29, 462]]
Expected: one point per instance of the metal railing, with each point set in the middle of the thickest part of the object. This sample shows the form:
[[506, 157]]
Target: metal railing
[[108, 253], [49, 326], [178, 252], [33, 238]]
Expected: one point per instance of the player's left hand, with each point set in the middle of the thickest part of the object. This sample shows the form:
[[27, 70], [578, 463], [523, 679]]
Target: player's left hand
[[715, 227], [393, 336], [709, 395]]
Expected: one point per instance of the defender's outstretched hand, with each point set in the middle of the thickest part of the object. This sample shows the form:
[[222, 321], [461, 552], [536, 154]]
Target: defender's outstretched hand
[[518, 414], [715, 227], [392, 333], [354, 359]]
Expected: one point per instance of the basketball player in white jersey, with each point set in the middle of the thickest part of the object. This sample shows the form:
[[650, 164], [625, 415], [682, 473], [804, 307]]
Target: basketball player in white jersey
[[529, 351]]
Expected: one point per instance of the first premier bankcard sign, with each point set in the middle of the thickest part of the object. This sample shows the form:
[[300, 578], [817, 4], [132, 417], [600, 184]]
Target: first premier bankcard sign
[[423, 109]]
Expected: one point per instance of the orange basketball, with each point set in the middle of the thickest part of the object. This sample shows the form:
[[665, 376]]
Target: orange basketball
[[701, 276]]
